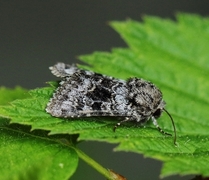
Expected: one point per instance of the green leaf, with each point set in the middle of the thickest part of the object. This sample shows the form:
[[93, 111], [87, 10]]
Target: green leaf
[[175, 57], [177, 60], [7, 95], [30, 156]]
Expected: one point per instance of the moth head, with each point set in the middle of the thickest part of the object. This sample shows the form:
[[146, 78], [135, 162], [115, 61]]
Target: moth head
[[145, 97], [157, 113]]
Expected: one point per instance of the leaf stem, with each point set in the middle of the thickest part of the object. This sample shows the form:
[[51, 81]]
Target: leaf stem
[[105, 172]]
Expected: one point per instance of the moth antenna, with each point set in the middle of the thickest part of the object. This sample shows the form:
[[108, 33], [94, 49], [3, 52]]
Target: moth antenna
[[174, 128]]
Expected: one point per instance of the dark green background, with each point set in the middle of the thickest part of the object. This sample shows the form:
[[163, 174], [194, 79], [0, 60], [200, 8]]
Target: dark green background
[[37, 34]]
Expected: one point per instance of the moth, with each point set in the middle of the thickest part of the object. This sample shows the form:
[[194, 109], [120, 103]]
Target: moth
[[85, 93]]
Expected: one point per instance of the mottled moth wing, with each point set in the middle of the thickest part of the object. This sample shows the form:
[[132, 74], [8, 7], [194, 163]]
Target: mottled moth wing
[[85, 93]]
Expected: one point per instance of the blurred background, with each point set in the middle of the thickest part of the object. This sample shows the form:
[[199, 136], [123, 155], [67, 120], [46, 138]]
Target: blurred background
[[36, 34]]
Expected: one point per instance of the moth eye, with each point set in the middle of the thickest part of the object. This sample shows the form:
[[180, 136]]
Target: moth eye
[[157, 113], [142, 109]]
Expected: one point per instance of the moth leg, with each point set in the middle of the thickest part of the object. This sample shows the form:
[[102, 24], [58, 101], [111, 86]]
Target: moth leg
[[118, 124], [158, 127]]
